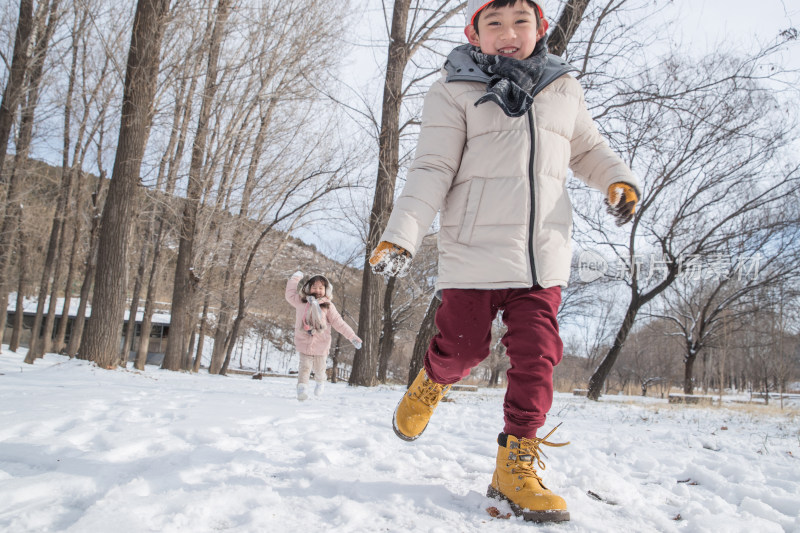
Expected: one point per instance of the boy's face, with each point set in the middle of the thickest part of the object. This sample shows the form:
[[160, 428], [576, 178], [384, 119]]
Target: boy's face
[[509, 31]]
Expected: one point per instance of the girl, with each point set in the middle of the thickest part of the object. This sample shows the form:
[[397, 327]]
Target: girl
[[314, 316]]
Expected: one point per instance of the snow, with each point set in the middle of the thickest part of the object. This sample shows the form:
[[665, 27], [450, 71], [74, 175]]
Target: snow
[[85, 450]]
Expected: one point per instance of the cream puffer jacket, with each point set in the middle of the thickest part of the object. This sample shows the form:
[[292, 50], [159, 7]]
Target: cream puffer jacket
[[476, 165]]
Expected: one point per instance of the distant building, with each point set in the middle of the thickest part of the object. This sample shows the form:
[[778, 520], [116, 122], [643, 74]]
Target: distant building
[[159, 330]]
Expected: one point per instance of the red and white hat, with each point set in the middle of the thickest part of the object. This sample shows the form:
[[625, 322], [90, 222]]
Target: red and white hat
[[473, 6]]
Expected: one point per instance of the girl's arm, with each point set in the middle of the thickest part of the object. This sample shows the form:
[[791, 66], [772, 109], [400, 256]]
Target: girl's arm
[[338, 323], [291, 289]]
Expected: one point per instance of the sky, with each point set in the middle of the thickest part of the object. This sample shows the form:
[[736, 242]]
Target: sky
[[86, 450], [735, 21]]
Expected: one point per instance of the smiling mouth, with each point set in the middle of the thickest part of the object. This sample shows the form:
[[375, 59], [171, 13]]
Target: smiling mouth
[[507, 51]]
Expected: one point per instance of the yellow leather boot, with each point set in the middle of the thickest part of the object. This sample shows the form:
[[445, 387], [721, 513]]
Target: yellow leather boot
[[516, 481], [416, 407]]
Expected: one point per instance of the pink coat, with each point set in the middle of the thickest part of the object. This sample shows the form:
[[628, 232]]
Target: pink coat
[[319, 343]]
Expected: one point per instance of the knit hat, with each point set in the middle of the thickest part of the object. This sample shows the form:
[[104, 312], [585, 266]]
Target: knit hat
[[473, 6]]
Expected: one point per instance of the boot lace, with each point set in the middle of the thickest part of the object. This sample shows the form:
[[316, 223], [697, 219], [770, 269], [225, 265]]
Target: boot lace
[[430, 393], [529, 451]]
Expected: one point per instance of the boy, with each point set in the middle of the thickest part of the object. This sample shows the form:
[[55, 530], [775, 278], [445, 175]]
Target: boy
[[498, 133]]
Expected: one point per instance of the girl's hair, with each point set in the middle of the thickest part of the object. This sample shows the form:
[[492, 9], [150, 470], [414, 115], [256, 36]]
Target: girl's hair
[[504, 3], [306, 290]]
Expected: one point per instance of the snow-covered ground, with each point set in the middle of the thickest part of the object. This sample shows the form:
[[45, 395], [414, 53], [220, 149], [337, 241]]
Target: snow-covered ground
[[90, 450]]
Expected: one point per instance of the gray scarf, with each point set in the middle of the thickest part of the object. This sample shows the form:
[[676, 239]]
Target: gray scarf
[[313, 318], [512, 80]]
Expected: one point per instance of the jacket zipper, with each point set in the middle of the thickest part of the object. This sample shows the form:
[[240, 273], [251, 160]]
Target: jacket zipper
[[533, 194]]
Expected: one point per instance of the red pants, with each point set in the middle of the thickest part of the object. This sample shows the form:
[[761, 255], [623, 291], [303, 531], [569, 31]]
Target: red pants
[[532, 343]]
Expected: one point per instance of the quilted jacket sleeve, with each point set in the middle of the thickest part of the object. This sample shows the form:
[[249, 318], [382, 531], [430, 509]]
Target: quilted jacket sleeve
[[592, 160], [436, 162]]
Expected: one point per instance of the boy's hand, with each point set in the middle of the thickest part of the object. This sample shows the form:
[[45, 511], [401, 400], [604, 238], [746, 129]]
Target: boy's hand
[[621, 202], [390, 260], [356, 342]]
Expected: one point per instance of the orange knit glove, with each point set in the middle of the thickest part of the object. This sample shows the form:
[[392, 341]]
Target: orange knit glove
[[621, 202], [390, 260]]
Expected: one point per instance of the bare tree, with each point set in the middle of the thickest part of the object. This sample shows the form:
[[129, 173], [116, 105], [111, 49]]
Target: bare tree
[[696, 304], [57, 242], [705, 140], [646, 358], [185, 282], [102, 340], [404, 41], [168, 166], [44, 28], [96, 201], [568, 23], [102, 48], [12, 94], [16, 332]]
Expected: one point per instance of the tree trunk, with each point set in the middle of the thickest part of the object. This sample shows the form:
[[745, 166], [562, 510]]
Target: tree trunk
[[172, 155], [494, 377], [237, 322], [59, 225], [59, 345], [46, 344], [76, 336], [568, 22], [189, 340], [688, 372], [192, 341], [221, 334], [426, 332], [185, 281], [598, 379], [12, 224], [260, 352], [201, 336], [11, 234], [387, 333], [149, 303], [337, 344], [36, 348], [16, 332], [133, 310], [365, 361], [104, 331], [225, 312], [76, 174], [337, 350], [12, 95]]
